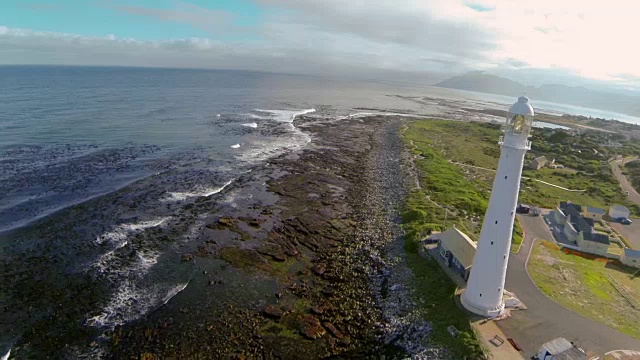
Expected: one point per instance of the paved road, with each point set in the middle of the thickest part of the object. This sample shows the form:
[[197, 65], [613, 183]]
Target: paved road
[[624, 183], [545, 320]]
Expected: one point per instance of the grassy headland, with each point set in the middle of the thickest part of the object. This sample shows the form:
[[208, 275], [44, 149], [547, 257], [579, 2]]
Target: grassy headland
[[604, 292], [456, 162]]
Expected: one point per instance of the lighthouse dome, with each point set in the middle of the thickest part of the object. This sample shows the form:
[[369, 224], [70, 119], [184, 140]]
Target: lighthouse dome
[[522, 107]]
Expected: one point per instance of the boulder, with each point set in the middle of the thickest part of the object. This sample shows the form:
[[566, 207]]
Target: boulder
[[332, 329], [273, 311], [319, 269], [310, 326]]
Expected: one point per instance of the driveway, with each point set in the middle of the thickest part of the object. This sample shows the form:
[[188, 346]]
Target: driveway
[[544, 319], [631, 232]]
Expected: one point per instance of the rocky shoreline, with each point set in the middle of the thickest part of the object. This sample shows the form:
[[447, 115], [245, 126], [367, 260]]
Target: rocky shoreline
[[302, 257]]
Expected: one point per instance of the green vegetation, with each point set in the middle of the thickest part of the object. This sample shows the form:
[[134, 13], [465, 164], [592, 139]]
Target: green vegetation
[[516, 241], [603, 291], [452, 194], [632, 171], [435, 292], [586, 168]]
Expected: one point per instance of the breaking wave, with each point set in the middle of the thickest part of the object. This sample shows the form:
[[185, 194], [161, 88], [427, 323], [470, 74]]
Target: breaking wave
[[181, 196]]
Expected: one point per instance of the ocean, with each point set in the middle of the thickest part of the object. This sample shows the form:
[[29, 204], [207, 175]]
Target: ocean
[[135, 147]]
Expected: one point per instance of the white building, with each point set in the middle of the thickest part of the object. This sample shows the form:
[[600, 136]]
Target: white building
[[560, 349], [457, 250], [631, 258], [594, 213], [618, 211], [485, 287]]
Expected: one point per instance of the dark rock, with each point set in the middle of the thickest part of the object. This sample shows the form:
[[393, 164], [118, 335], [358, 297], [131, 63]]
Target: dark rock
[[319, 269], [187, 257], [226, 221], [273, 311], [318, 310], [332, 329], [310, 326]]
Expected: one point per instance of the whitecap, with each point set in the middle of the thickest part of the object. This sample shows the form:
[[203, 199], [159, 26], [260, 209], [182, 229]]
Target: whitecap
[[131, 300], [286, 115], [251, 125], [118, 238], [181, 196], [6, 356], [236, 146], [173, 292], [119, 234], [218, 115], [254, 116]]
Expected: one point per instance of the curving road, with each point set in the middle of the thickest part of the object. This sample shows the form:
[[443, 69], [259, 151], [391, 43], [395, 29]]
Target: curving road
[[545, 319], [624, 182]]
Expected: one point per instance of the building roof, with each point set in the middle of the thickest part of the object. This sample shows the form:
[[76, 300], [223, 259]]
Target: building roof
[[582, 224], [562, 349], [631, 253], [539, 160], [566, 205], [619, 208], [596, 237], [459, 244], [595, 210], [557, 345]]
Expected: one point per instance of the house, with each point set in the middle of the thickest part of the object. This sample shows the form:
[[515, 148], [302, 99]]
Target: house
[[457, 250], [631, 257], [594, 213], [538, 163], [560, 349], [579, 229], [618, 211]]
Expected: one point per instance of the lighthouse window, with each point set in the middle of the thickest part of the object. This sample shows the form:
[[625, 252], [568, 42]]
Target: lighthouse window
[[480, 295], [492, 243], [505, 177], [496, 222]]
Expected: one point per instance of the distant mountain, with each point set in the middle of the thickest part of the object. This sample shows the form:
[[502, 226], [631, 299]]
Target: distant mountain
[[574, 95]]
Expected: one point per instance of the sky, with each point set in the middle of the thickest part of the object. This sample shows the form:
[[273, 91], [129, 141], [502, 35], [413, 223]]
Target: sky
[[572, 42]]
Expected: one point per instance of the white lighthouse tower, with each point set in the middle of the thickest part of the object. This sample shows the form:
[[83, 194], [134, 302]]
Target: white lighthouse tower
[[485, 286]]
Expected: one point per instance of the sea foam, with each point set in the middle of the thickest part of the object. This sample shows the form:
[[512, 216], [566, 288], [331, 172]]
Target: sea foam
[[251, 125], [181, 196], [130, 301]]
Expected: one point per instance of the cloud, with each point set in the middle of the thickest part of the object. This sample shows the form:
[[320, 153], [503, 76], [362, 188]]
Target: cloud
[[196, 16], [542, 40]]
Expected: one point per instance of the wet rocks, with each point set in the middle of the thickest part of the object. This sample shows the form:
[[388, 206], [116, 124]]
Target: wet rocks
[[226, 222], [272, 250], [187, 257], [272, 311], [317, 309], [310, 326], [332, 329], [319, 269]]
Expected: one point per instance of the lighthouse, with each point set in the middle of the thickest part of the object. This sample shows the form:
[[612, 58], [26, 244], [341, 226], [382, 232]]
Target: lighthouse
[[485, 287]]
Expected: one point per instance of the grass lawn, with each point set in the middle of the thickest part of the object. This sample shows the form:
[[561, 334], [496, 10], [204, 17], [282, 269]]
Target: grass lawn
[[601, 291]]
